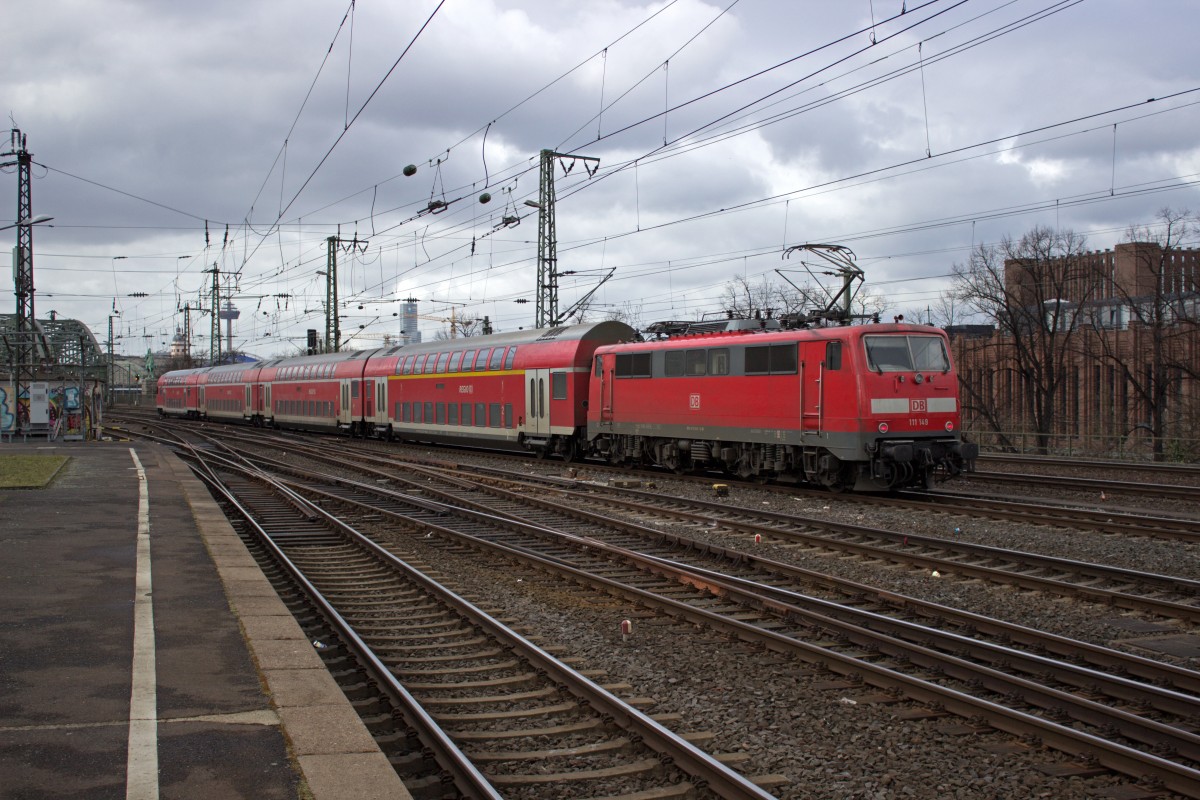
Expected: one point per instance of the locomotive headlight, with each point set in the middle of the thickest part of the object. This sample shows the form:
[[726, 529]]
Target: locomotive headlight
[[883, 427], [918, 379], [949, 426]]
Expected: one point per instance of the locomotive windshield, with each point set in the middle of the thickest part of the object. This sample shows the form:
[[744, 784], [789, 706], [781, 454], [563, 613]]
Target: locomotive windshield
[[906, 354]]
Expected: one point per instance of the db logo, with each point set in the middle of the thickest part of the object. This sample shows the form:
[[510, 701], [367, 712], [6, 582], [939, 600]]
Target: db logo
[[694, 401], [918, 404]]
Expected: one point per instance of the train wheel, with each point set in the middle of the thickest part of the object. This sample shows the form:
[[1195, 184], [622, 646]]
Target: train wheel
[[568, 450]]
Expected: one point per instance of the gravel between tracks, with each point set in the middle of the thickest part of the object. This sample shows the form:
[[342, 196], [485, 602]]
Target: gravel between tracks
[[829, 741]]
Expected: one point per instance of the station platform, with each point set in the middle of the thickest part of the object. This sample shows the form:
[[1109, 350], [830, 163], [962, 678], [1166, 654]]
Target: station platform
[[144, 655]]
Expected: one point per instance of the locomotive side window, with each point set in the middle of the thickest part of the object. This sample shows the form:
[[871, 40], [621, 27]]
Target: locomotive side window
[[633, 365], [833, 355], [508, 360], [599, 366], [673, 363], [783, 359], [718, 361], [558, 385], [758, 360], [497, 358], [775, 359], [697, 362]]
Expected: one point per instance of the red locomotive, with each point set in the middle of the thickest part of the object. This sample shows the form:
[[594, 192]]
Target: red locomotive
[[868, 407]]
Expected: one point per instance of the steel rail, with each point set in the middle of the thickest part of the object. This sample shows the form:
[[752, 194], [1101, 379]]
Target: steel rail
[[682, 753], [1113, 755]]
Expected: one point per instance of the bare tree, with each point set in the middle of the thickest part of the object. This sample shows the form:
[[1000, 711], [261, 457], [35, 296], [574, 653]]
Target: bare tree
[[1143, 332], [746, 299], [1031, 289], [630, 313], [944, 312]]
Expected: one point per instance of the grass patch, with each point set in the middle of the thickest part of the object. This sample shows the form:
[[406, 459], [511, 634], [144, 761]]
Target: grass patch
[[28, 472]]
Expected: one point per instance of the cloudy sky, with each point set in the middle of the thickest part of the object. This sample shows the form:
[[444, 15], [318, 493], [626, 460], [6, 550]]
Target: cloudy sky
[[169, 138]]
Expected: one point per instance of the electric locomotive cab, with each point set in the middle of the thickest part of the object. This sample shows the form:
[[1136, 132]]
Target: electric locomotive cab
[[910, 414]]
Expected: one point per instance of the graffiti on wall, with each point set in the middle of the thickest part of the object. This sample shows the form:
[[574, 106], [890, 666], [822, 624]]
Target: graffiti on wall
[[69, 409]]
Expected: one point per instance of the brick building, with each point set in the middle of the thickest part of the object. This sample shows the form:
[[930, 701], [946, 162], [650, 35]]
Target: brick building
[[1108, 342]]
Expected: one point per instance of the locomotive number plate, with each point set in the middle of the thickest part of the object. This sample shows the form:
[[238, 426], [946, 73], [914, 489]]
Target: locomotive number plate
[[919, 405]]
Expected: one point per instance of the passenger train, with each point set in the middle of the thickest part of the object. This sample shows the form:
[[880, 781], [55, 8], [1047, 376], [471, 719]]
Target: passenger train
[[864, 407]]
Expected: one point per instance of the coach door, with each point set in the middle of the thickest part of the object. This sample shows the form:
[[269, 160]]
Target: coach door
[[344, 408], [369, 400], [537, 402]]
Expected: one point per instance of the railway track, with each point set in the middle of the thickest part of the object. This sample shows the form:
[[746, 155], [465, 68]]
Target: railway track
[[503, 716], [881, 651], [1164, 596], [882, 630]]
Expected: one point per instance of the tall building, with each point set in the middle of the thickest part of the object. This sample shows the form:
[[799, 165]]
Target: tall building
[[409, 334], [1098, 352]]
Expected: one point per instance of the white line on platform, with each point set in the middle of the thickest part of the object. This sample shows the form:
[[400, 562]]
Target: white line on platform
[[141, 775]]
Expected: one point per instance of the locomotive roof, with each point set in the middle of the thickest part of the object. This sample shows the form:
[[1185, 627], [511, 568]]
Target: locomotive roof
[[784, 334]]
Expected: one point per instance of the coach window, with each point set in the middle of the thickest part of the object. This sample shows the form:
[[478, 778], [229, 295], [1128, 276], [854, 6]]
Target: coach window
[[456, 360], [497, 359], [441, 413], [452, 414], [697, 362], [494, 415], [674, 364], [466, 413], [508, 360], [481, 360], [431, 363], [558, 385], [442, 361], [429, 411], [406, 412], [718, 361], [354, 388], [468, 360], [833, 355], [508, 415], [480, 415]]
